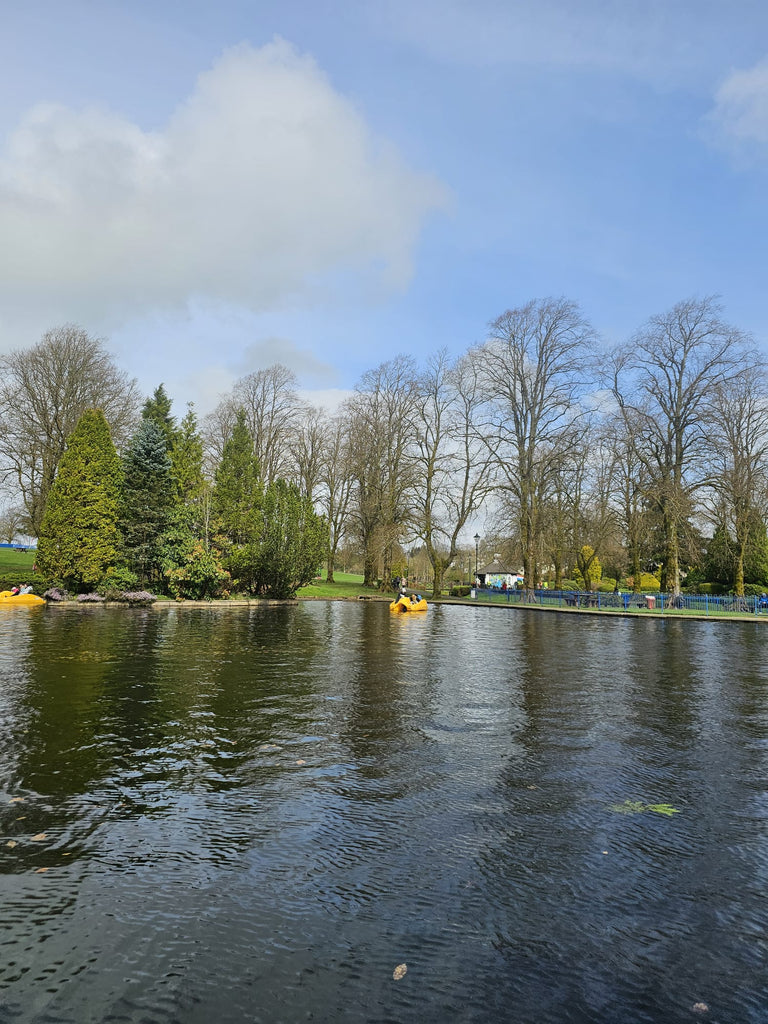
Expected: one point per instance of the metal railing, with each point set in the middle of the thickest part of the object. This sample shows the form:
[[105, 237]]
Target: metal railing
[[700, 604]]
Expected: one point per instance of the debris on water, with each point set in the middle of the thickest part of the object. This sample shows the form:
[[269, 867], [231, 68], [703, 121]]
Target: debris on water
[[638, 807], [700, 1008], [11, 843], [399, 972], [300, 761], [16, 800], [39, 837], [40, 871]]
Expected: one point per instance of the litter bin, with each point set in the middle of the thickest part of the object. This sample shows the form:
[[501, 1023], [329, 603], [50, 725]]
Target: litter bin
[[473, 594], [650, 600]]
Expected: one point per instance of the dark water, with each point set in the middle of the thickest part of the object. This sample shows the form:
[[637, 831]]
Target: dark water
[[256, 815]]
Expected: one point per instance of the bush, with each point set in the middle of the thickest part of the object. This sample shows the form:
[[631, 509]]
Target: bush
[[116, 580], [753, 590], [199, 577], [569, 585], [90, 598], [137, 598], [459, 591], [54, 594], [713, 589]]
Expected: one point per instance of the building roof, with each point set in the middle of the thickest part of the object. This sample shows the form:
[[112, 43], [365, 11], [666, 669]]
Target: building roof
[[495, 569]]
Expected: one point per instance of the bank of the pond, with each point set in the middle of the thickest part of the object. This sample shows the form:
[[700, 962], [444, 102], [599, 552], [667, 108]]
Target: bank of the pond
[[618, 613]]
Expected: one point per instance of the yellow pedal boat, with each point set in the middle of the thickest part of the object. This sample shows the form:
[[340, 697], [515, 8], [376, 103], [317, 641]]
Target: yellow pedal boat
[[405, 604], [6, 597]]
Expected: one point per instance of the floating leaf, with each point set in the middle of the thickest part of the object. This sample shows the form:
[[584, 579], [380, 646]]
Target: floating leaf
[[40, 871], [666, 809], [16, 800], [629, 807], [638, 807], [300, 761], [399, 972], [39, 837], [11, 843]]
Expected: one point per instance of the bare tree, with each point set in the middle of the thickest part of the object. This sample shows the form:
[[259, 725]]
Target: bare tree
[[671, 367], [272, 411], [44, 391], [12, 519], [738, 411], [309, 450], [336, 486], [381, 444], [534, 368], [455, 470]]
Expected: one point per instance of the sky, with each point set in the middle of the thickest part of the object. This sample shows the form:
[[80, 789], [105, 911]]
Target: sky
[[216, 187]]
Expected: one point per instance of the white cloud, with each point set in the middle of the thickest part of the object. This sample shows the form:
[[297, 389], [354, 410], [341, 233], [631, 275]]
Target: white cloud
[[740, 113], [264, 187]]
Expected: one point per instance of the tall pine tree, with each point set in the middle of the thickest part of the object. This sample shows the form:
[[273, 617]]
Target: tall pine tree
[[158, 409], [236, 506], [147, 500], [79, 536], [187, 459]]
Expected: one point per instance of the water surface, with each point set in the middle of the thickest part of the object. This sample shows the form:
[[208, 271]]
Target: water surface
[[258, 814]]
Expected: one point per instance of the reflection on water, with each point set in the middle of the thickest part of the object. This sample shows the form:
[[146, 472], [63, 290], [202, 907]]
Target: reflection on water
[[257, 814]]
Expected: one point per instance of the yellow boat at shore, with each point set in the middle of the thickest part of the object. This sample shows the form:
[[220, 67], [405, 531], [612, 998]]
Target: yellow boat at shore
[[405, 604], [6, 597]]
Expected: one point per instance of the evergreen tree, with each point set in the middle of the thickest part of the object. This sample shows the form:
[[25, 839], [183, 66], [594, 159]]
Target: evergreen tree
[[237, 491], [147, 500], [187, 458], [236, 505], [79, 536], [293, 541], [158, 409]]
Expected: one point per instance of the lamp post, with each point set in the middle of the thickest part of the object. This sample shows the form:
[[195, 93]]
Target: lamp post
[[477, 541]]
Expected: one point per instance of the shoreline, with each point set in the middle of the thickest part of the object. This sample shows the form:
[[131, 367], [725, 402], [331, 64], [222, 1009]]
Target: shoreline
[[652, 614]]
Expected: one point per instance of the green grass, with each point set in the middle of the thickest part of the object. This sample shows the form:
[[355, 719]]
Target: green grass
[[16, 561], [346, 584]]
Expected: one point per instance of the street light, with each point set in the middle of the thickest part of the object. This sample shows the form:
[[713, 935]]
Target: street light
[[477, 541]]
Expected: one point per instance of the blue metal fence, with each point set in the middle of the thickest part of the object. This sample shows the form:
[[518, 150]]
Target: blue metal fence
[[702, 604]]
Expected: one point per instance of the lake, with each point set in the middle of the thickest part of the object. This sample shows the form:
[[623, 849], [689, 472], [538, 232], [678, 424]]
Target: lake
[[260, 814]]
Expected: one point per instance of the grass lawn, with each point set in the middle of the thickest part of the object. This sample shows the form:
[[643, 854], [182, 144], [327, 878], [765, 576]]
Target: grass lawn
[[17, 561], [346, 584]]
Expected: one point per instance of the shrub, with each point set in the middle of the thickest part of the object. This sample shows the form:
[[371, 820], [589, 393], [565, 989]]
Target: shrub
[[753, 590], [138, 597], [54, 594], [199, 577], [115, 581], [714, 589], [459, 591], [90, 598], [569, 585]]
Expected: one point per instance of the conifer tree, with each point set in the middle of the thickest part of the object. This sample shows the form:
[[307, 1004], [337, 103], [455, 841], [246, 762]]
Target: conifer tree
[[158, 409], [293, 541], [237, 491], [147, 500], [187, 458], [79, 536]]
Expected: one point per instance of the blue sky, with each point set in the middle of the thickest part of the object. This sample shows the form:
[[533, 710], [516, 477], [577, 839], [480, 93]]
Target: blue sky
[[216, 187]]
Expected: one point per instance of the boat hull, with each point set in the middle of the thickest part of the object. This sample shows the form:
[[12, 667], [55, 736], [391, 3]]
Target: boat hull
[[404, 604], [6, 597]]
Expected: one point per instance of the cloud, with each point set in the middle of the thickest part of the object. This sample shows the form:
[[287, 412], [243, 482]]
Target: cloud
[[265, 187], [740, 113], [268, 351]]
